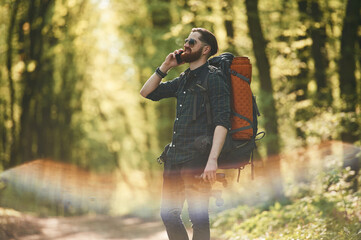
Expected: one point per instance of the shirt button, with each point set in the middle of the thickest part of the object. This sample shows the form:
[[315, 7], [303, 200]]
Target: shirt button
[[174, 132], [180, 105], [176, 119], [184, 92]]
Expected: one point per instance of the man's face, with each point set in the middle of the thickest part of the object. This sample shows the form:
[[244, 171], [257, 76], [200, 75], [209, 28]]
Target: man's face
[[192, 48]]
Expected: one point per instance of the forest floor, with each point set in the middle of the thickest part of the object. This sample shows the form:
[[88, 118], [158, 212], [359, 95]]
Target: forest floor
[[26, 227]]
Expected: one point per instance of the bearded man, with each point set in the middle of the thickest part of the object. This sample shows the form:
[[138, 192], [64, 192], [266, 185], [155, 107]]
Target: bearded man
[[188, 174]]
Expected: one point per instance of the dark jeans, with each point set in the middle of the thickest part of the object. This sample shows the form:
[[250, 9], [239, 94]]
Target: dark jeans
[[180, 184]]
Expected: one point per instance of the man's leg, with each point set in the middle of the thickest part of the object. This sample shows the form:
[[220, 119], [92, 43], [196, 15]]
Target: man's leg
[[173, 198], [197, 193]]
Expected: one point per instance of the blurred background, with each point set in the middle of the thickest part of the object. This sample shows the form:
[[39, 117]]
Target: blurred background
[[76, 138]]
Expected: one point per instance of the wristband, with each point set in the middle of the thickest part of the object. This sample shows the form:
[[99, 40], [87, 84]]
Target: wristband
[[160, 73]]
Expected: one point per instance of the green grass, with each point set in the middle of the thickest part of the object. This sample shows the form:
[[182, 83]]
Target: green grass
[[328, 209]]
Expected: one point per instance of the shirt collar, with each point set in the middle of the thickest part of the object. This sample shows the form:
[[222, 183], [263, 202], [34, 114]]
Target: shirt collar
[[196, 71], [199, 69]]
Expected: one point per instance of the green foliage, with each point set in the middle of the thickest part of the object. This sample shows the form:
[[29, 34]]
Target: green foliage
[[329, 210], [78, 100]]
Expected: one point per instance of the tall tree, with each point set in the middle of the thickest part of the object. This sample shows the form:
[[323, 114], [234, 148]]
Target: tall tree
[[347, 68], [302, 79], [263, 66], [359, 47], [348, 84], [9, 62], [319, 53], [30, 35], [228, 14], [45, 124], [312, 17], [303, 54], [269, 111]]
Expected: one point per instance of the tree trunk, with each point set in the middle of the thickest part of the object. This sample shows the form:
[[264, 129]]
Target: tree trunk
[[259, 48], [33, 80], [348, 81], [26, 121], [4, 160], [347, 68], [319, 54], [302, 78], [358, 53], [11, 83], [228, 14], [269, 111], [301, 88]]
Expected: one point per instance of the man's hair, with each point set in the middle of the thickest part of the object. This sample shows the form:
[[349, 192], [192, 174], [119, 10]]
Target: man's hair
[[208, 38]]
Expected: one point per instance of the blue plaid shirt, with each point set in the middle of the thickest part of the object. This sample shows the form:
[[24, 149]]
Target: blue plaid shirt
[[185, 129]]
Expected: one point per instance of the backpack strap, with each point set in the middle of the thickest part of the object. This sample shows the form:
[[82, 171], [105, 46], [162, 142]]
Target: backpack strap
[[204, 91], [240, 76], [242, 128], [255, 105], [203, 86]]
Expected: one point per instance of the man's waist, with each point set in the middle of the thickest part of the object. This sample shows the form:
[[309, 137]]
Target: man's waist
[[179, 154]]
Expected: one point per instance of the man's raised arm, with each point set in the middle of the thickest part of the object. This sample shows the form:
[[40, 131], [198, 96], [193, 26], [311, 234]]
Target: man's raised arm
[[153, 82]]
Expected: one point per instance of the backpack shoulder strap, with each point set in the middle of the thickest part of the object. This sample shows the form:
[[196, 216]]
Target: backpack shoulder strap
[[203, 85]]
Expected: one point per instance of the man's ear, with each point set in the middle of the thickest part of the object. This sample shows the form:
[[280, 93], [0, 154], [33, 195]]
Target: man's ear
[[206, 49]]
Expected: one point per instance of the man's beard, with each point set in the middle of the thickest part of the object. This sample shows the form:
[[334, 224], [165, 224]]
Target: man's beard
[[192, 56]]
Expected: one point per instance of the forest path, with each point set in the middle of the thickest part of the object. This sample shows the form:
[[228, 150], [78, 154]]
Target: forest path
[[91, 228]]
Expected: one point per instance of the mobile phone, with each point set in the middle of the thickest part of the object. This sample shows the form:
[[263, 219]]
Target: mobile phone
[[178, 57]]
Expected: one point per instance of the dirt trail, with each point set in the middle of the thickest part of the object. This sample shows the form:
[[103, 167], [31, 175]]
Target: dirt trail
[[93, 228], [77, 228]]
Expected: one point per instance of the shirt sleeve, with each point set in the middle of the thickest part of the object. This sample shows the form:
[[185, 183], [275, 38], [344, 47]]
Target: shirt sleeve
[[165, 90], [219, 95]]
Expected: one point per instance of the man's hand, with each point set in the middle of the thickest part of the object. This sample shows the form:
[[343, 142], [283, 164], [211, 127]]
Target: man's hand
[[170, 61], [209, 173], [219, 136], [153, 82]]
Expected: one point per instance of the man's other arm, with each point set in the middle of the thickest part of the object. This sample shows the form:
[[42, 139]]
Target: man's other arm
[[220, 106], [219, 137]]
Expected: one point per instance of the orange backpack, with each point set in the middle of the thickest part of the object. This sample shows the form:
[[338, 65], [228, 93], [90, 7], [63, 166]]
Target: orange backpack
[[240, 141], [241, 101]]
